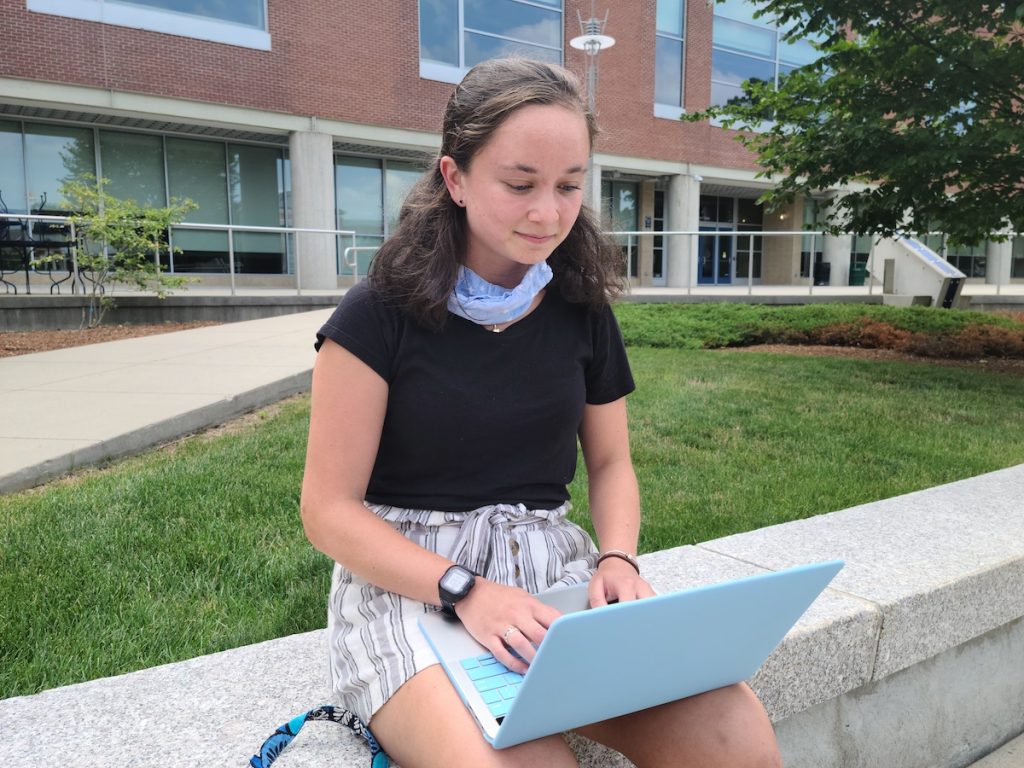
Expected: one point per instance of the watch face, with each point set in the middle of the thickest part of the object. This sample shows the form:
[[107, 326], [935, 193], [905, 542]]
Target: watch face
[[457, 580]]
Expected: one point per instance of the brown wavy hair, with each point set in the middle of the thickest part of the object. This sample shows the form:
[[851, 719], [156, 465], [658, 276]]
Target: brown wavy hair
[[416, 268]]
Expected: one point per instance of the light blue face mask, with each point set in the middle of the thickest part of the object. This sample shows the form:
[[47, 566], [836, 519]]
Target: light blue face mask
[[484, 303]]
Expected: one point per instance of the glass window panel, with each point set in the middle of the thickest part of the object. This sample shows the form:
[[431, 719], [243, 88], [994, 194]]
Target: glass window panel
[[861, 244], [362, 257], [133, 163], [53, 155], [740, 10], [933, 241], [253, 191], [359, 192], [733, 69], [668, 71], [725, 209], [482, 47], [1017, 258], [399, 178], [439, 31], [516, 20], [196, 170], [750, 212], [670, 17], [624, 207], [797, 53], [247, 12], [745, 38], [725, 94], [12, 169]]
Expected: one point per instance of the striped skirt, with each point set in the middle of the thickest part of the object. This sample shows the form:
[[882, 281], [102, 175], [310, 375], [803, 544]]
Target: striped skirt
[[375, 641]]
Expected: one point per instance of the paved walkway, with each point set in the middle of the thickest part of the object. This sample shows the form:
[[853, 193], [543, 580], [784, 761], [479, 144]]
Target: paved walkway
[[74, 407]]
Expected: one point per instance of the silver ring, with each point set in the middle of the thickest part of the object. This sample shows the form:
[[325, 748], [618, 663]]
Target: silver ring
[[509, 632]]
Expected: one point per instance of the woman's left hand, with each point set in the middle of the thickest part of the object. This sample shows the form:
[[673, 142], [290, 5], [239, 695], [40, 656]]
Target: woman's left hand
[[617, 581]]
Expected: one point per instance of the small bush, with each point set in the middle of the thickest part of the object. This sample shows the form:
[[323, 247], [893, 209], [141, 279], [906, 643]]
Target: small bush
[[924, 331]]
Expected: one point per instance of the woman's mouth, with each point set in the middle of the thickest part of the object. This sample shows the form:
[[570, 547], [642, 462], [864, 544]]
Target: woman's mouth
[[536, 239]]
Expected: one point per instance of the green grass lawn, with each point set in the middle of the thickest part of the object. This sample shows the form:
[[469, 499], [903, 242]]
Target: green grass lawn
[[199, 548]]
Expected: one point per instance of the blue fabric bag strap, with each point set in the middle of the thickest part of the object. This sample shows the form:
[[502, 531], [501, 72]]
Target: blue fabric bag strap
[[282, 737]]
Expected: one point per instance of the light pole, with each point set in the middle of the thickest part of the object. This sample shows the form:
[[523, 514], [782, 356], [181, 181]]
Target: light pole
[[591, 40]]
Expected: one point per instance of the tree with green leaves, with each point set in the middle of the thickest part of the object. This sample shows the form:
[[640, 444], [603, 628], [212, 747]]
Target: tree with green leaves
[[914, 112], [118, 242]]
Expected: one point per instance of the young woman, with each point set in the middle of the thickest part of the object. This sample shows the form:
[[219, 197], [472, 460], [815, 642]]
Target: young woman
[[449, 392]]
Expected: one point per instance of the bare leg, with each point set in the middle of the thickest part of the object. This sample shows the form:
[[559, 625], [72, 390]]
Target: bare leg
[[727, 728], [426, 724]]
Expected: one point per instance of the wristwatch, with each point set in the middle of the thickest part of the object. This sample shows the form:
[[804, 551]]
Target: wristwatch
[[453, 586]]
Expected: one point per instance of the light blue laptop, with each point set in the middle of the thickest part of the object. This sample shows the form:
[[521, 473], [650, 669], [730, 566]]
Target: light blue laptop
[[604, 662]]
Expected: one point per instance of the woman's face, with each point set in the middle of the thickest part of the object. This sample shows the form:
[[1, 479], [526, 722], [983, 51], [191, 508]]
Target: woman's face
[[523, 190]]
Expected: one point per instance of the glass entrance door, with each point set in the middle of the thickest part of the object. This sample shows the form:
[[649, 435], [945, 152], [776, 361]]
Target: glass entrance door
[[715, 258]]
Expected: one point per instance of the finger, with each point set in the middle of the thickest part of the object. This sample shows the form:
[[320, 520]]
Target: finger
[[515, 661], [596, 593]]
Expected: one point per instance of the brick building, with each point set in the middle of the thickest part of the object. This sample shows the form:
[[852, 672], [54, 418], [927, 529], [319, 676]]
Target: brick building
[[321, 114]]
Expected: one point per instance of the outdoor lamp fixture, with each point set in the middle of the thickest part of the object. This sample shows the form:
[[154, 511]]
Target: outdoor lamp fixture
[[591, 41]]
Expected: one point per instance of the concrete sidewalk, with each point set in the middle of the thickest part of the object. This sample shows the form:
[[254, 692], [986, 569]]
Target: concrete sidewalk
[[80, 406]]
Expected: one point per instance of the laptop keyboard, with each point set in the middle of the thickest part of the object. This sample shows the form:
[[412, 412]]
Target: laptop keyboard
[[495, 682]]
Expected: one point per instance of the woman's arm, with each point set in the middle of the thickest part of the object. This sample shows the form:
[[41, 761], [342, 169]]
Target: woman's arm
[[614, 500], [349, 402]]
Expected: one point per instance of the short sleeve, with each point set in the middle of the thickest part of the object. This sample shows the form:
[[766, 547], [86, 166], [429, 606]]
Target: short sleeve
[[608, 376], [365, 327]]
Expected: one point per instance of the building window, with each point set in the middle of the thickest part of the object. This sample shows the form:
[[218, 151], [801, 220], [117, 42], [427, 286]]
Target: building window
[[1017, 257], [812, 247], [971, 260], [745, 48], [968, 259], [669, 58], [456, 34], [620, 212], [369, 193], [240, 22], [237, 184]]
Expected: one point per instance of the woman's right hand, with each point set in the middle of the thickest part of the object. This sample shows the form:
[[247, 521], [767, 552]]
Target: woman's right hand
[[490, 609]]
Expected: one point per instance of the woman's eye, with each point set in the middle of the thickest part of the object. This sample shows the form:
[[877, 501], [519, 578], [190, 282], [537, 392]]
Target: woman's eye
[[519, 187], [571, 188]]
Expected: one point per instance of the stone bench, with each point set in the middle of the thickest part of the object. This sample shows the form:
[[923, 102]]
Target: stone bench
[[913, 658]]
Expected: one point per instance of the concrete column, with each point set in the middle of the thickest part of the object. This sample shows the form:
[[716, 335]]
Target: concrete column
[[837, 253], [682, 214], [312, 163], [998, 259]]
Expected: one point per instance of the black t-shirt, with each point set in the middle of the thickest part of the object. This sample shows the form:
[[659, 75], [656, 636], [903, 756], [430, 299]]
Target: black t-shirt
[[476, 417]]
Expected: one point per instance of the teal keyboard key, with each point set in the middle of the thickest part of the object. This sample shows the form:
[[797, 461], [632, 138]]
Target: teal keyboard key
[[500, 709], [470, 663], [489, 684], [481, 673], [491, 697], [509, 692]]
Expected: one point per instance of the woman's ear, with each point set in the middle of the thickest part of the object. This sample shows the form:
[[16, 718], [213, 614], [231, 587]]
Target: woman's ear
[[453, 178]]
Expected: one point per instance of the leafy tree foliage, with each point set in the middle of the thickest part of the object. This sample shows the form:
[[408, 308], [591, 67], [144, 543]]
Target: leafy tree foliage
[[118, 242], [914, 111]]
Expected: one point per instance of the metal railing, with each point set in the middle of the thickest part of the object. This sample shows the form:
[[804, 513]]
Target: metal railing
[[351, 257], [30, 245], [296, 260], [694, 248]]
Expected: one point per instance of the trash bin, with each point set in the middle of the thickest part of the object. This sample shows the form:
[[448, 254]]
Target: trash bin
[[858, 273], [822, 273]]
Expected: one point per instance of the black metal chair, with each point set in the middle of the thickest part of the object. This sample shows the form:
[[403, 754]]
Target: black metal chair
[[21, 242]]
